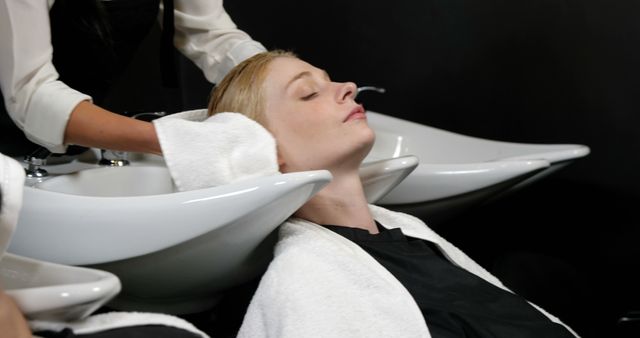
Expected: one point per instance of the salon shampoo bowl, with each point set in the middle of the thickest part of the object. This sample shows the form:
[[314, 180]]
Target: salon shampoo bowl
[[173, 252], [48, 291], [457, 170]]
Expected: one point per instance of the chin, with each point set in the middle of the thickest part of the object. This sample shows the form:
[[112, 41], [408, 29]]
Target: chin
[[369, 138], [366, 143]]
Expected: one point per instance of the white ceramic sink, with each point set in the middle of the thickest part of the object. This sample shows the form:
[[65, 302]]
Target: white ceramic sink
[[105, 214], [44, 290], [48, 291], [378, 177], [94, 209], [454, 167], [113, 182], [132, 222], [382, 176]]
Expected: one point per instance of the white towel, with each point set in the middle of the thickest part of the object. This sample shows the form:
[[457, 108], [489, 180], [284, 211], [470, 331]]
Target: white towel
[[202, 152], [320, 284], [114, 320], [11, 180]]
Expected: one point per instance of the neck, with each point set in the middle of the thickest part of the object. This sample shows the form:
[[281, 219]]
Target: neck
[[342, 202]]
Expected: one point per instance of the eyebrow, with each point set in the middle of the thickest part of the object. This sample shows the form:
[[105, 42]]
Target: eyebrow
[[305, 74]]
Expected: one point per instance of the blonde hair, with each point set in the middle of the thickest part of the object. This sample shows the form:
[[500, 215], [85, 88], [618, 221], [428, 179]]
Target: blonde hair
[[241, 89]]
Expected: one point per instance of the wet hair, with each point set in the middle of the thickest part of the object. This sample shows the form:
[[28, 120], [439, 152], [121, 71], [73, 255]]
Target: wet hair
[[241, 90]]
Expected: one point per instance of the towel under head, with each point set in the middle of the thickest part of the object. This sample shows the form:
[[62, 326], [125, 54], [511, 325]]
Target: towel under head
[[202, 151], [12, 178]]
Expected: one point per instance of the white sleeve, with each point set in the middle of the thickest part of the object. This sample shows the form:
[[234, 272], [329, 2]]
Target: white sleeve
[[205, 33], [37, 102]]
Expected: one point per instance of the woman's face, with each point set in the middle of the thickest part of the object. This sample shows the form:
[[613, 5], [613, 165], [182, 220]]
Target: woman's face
[[316, 122]]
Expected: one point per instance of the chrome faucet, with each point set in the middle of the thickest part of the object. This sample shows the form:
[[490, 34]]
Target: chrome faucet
[[34, 161], [369, 88], [115, 158]]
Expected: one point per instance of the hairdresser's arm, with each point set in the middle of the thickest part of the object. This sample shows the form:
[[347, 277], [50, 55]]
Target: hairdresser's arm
[[48, 111], [205, 33], [92, 126], [12, 323]]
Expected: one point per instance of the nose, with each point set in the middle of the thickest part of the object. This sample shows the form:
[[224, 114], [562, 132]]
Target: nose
[[347, 91]]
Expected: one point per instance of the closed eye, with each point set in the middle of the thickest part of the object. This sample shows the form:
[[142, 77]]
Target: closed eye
[[309, 97]]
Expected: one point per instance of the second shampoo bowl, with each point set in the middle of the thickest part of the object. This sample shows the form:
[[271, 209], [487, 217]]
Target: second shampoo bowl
[[173, 251], [382, 176], [455, 167], [49, 291]]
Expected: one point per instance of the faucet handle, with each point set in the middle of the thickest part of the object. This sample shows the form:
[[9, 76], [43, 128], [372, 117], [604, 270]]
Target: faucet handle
[[36, 159], [113, 158]]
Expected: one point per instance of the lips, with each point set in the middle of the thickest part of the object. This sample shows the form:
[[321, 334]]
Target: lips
[[356, 114]]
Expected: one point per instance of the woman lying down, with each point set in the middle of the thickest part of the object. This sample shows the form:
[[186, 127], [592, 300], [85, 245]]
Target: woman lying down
[[343, 268]]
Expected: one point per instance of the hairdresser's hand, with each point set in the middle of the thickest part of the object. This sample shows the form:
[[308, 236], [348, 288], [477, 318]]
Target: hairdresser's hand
[[92, 126], [12, 323]]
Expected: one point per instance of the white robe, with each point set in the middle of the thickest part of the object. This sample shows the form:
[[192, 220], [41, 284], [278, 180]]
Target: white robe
[[320, 284]]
